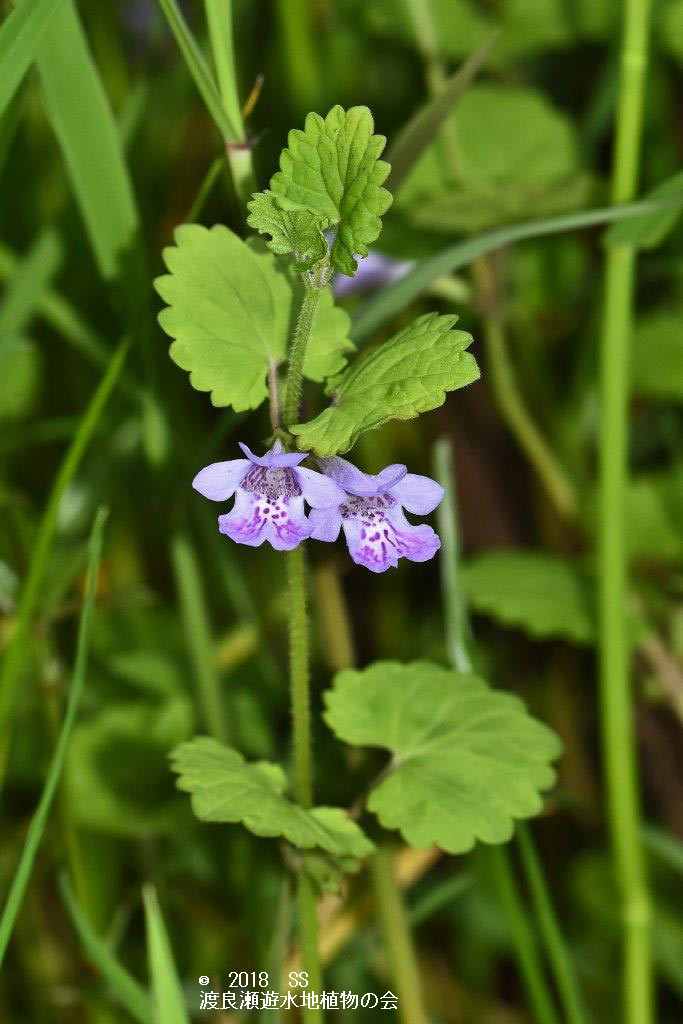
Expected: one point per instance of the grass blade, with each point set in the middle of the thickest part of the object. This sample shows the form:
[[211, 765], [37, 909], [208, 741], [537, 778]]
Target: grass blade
[[28, 283], [422, 128], [21, 34], [79, 112], [549, 929], [129, 991], [199, 70], [396, 297], [167, 994], [9, 674], [35, 833]]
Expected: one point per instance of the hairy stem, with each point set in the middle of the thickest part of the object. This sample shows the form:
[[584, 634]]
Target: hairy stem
[[297, 353], [299, 669], [299, 677], [618, 731]]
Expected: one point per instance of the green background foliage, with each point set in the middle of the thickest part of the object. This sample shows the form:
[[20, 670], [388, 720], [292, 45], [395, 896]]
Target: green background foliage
[[106, 149]]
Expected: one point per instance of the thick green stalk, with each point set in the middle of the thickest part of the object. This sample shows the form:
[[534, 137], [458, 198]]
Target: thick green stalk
[[619, 740], [195, 619], [219, 19], [398, 938], [553, 940], [14, 655], [297, 354]]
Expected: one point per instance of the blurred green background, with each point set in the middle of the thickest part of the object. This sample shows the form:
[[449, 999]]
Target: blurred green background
[[80, 242]]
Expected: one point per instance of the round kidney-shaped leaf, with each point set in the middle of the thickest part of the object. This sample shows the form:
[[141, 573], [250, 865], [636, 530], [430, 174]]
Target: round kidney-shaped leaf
[[467, 760]]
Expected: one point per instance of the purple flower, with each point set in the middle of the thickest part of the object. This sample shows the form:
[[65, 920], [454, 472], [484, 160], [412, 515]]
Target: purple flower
[[377, 532], [269, 496]]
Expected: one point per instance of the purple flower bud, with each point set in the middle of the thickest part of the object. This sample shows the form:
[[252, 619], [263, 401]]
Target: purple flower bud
[[377, 532], [270, 491]]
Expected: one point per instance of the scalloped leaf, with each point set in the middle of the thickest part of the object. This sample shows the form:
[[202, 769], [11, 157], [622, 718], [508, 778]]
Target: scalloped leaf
[[544, 595], [467, 760], [291, 231], [230, 311], [403, 377], [225, 788], [332, 168]]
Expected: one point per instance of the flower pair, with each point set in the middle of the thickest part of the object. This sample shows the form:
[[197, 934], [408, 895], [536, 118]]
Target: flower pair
[[270, 491]]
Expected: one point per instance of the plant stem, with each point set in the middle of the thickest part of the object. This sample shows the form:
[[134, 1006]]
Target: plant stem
[[618, 730], [219, 19], [512, 405], [300, 52], [526, 949], [195, 620], [397, 937], [299, 677], [297, 353], [456, 624], [458, 634], [299, 670], [556, 949], [12, 663]]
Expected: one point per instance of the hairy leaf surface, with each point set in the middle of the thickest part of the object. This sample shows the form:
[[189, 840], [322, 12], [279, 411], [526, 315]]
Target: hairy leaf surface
[[407, 375], [230, 311], [291, 231], [332, 168], [225, 788]]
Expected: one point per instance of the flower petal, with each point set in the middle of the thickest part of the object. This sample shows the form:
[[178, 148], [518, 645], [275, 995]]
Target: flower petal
[[254, 519], [220, 480], [379, 547], [326, 523], [318, 490], [369, 547], [354, 481], [418, 494], [276, 458]]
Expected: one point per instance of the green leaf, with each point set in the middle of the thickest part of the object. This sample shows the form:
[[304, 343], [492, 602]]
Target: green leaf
[[292, 231], [405, 376], [231, 307], [649, 230], [332, 168], [168, 1002], [466, 760], [329, 343], [657, 362], [20, 36], [423, 127], [516, 153], [544, 595], [81, 117], [225, 788]]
